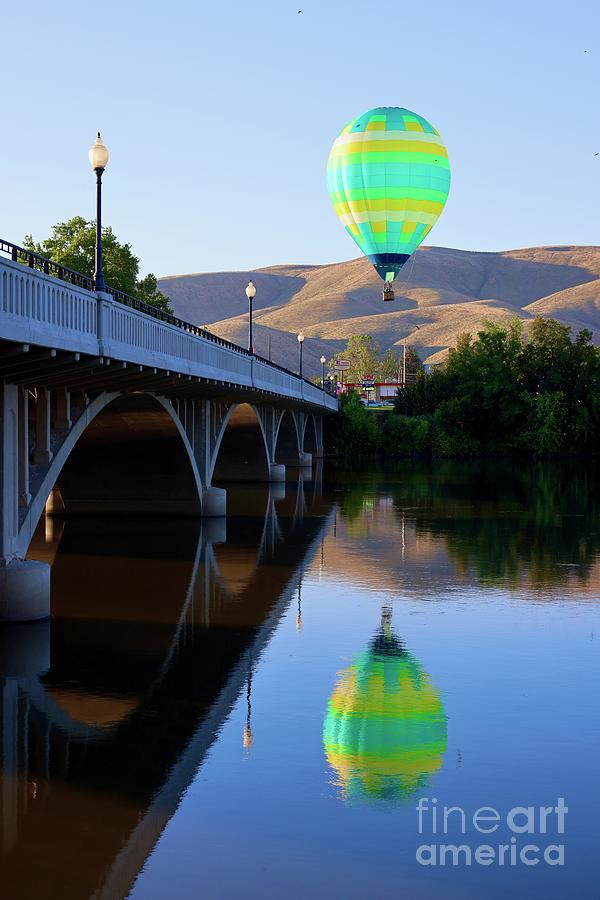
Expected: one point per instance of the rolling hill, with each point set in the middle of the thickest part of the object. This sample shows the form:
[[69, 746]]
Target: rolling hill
[[439, 295]]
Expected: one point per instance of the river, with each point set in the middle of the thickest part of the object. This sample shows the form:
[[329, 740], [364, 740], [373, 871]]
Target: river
[[360, 684]]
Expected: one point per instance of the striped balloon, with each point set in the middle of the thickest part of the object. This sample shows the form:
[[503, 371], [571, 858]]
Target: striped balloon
[[385, 729], [388, 177]]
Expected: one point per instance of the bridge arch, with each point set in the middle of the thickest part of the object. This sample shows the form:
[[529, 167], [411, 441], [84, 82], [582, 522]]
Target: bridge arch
[[287, 440], [310, 443], [241, 450], [68, 465]]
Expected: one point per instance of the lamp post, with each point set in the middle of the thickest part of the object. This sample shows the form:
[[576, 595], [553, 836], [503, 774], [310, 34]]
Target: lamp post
[[300, 343], [250, 294], [98, 157], [323, 361]]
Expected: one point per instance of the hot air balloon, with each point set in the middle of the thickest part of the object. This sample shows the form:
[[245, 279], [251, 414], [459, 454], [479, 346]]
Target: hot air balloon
[[388, 177], [385, 728]]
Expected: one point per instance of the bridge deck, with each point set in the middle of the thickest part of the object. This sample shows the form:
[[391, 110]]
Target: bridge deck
[[43, 311]]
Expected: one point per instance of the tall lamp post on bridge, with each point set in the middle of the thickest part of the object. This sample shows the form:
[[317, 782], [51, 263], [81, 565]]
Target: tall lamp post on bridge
[[250, 294], [300, 344], [323, 361], [98, 157]]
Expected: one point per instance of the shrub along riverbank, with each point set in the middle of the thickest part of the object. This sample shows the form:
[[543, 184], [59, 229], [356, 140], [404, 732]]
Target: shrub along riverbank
[[497, 394]]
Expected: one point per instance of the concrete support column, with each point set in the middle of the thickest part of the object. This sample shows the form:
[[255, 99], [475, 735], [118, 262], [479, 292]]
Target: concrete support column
[[305, 459], [300, 420], [23, 414], [190, 419], [199, 436], [214, 502], [270, 419], [9, 471], [63, 409], [318, 420], [198, 423], [24, 591], [43, 453]]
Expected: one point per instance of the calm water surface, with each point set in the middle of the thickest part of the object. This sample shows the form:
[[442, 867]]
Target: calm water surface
[[256, 708]]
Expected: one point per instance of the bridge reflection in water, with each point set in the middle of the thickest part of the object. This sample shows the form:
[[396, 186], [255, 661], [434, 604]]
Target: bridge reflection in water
[[109, 709]]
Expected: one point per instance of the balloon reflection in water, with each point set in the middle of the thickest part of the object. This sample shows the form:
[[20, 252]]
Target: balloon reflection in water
[[385, 732]]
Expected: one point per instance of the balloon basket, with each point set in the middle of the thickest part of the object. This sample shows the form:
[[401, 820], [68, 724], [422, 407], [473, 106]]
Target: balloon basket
[[388, 292]]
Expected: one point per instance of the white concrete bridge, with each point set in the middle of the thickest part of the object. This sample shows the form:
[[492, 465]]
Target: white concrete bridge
[[110, 406]]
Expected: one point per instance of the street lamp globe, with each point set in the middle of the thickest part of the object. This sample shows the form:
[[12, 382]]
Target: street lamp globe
[[98, 155], [323, 360], [251, 291], [300, 337]]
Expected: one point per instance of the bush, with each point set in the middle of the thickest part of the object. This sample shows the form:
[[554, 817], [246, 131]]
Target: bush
[[446, 446], [405, 436], [546, 432], [356, 433]]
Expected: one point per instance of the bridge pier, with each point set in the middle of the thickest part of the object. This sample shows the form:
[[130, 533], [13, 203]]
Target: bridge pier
[[214, 502], [24, 584], [277, 472], [24, 591]]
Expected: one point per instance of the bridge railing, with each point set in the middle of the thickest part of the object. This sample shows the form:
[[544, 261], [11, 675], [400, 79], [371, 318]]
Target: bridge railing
[[46, 302], [40, 264], [36, 302]]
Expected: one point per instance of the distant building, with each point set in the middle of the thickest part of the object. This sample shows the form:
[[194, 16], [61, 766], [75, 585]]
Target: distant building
[[377, 391]]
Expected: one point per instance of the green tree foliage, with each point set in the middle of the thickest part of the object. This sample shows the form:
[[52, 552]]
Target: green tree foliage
[[499, 393], [365, 358], [147, 290], [72, 244], [354, 432], [406, 436], [362, 352]]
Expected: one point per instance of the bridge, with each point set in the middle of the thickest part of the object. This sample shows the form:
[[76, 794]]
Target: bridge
[[111, 406], [185, 617]]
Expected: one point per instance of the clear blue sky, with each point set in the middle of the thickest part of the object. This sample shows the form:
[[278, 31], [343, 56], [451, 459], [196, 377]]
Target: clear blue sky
[[219, 118]]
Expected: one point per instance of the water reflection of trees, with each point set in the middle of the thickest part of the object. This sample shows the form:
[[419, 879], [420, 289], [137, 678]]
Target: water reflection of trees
[[508, 522]]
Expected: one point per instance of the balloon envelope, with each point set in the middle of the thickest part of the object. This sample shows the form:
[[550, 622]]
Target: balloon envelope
[[388, 177]]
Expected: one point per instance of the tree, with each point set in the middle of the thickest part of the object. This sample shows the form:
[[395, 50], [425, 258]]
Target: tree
[[498, 393], [393, 367], [546, 431], [147, 290], [363, 355], [354, 432], [72, 244]]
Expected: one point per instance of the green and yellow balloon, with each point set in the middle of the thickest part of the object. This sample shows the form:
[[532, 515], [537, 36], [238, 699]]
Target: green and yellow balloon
[[385, 732], [388, 177]]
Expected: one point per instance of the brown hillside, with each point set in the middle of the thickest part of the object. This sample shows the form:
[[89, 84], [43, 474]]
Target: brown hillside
[[441, 294]]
